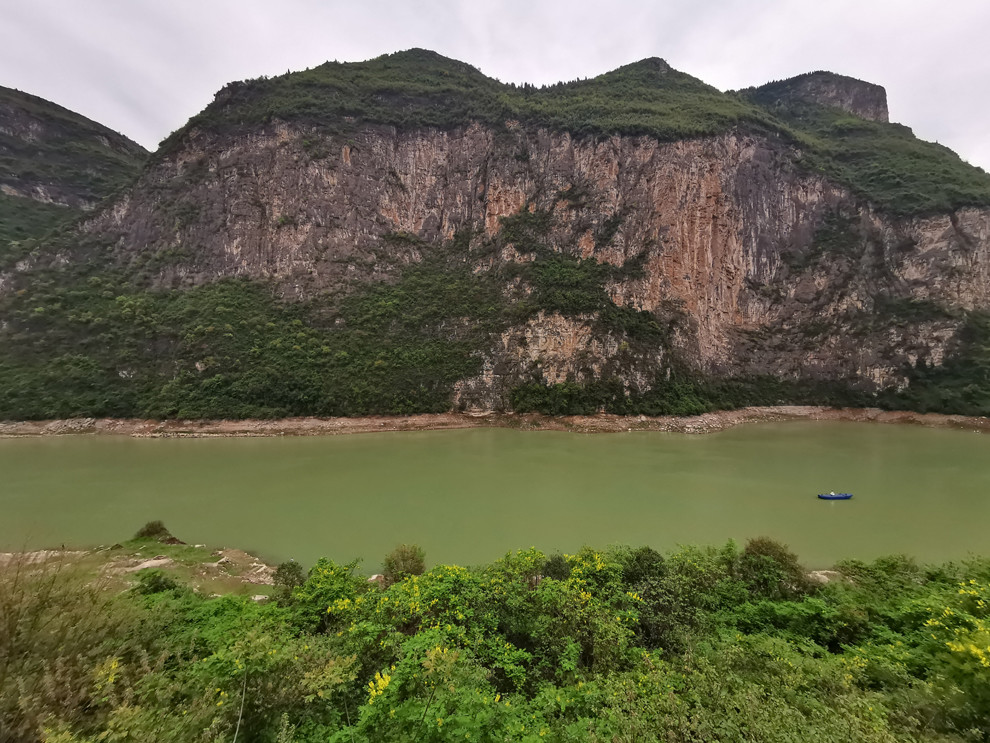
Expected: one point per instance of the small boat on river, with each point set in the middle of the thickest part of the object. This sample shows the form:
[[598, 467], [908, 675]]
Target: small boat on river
[[835, 496]]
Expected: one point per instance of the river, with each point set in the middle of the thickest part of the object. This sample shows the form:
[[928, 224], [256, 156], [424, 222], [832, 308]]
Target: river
[[468, 496]]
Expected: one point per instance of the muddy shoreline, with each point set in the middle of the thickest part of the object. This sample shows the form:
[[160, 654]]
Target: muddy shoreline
[[604, 423]]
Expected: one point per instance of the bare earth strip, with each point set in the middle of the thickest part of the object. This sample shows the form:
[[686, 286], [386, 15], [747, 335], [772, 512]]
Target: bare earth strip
[[706, 423], [207, 570]]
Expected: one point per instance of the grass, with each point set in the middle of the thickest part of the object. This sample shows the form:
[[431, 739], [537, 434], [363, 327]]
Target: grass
[[113, 566]]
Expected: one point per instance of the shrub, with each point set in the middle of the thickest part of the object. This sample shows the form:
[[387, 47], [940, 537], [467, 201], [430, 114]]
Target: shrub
[[327, 583], [771, 570], [641, 564], [153, 530], [155, 581], [556, 567], [288, 576], [56, 626], [404, 560]]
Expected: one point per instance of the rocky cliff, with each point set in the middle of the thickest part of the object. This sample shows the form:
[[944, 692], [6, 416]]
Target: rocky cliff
[[516, 259]]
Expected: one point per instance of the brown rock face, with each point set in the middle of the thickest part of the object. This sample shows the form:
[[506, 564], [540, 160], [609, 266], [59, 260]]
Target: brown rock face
[[773, 270]]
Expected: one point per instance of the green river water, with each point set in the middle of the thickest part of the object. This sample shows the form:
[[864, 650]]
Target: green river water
[[469, 496]]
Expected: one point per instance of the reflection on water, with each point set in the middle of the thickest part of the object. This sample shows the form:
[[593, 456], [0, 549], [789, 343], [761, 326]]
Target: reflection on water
[[469, 496]]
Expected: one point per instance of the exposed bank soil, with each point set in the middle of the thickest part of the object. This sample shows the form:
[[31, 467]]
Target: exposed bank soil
[[209, 571], [706, 423]]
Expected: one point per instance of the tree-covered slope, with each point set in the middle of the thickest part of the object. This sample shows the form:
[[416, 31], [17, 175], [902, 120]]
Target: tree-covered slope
[[419, 88], [882, 162], [54, 164]]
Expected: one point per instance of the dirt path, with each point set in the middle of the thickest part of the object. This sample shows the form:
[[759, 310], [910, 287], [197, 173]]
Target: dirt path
[[706, 423]]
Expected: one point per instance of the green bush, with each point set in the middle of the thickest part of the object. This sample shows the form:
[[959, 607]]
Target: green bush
[[153, 580], [288, 576], [153, 530], [641, 565], [556, 567], [771, 570], [626, 644], [403, 561]]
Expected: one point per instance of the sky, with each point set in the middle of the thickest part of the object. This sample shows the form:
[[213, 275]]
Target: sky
[[143, 67]]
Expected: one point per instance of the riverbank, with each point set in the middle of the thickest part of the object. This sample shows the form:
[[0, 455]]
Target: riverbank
[[210, 571], [604, 423]]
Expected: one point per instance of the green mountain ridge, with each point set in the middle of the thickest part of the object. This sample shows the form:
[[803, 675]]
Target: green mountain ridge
[[418, 88], [55, 164]]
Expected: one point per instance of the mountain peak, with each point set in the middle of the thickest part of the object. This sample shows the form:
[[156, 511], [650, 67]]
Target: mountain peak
[[858, 97], [656, 64], [426, 59]]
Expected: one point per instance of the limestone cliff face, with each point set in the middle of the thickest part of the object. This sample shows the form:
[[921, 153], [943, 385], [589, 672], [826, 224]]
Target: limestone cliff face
[[767, 268]]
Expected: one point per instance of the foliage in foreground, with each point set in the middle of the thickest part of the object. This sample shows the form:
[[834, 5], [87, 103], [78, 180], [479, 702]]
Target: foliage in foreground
[[624, 644]]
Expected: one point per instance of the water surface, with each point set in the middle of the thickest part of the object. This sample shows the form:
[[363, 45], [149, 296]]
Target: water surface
[[468, 496]]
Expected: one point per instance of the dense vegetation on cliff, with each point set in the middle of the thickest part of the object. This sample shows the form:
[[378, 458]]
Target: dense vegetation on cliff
[[54, 163], [98, 343], [93, 342], [419, 88], [623, 644], [23, 219], [883, 162]]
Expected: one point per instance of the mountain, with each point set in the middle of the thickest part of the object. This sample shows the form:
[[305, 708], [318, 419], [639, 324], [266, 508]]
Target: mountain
[[55, 164], [408, 235]]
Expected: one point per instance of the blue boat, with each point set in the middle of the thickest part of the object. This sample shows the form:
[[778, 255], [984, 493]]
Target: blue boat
[[835, 496]]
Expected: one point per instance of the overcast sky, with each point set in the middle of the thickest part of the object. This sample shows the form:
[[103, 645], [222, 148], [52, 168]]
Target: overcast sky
[[143, 67]]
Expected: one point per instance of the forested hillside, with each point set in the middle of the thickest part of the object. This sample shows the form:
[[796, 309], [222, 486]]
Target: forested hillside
[[55, 165]]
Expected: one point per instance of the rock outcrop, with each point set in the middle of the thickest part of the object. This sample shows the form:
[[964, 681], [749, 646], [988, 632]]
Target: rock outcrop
[[866, 100]]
